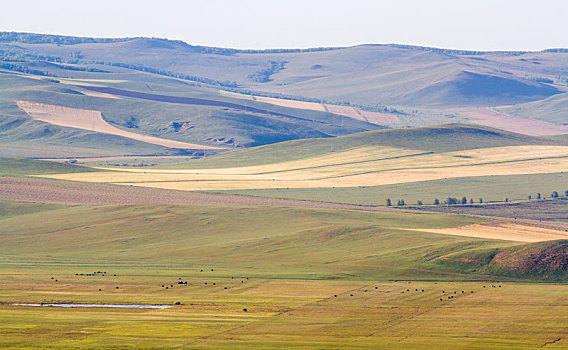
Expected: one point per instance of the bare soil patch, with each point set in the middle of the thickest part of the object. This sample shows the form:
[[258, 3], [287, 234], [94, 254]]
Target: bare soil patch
[[493, 118], [78, 193]]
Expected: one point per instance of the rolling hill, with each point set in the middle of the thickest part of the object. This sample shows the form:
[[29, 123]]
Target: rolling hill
[[226, 98], [365, 74]]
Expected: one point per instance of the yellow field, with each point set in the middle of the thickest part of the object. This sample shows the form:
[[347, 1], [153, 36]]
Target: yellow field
[[93, 121], [367, 166], [503, 231]]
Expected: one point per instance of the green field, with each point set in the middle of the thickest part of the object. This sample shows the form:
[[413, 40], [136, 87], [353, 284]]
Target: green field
[[23, 167], [489, 188]]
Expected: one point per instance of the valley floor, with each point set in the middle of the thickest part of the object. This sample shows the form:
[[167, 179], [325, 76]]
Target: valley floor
[[275, 313]]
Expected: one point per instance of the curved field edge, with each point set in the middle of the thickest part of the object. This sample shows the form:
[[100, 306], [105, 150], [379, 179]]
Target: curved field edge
[[93, 121]]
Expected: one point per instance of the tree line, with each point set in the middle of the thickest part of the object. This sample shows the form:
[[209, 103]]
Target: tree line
[[465, 201]]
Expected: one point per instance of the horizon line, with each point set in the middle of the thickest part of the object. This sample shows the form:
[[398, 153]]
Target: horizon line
[[314, 48]]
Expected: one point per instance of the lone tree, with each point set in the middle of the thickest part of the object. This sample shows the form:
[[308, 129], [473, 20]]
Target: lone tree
[[464, 200], [480, 200], [506, 200], [554, 194], [419, 202], [389, 203], [530, 197], [471, 201], [566, 193], [436, 201], [400, 203], [538, 196]]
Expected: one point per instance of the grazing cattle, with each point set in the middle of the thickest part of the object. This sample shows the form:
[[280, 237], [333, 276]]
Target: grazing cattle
[[100, 289]]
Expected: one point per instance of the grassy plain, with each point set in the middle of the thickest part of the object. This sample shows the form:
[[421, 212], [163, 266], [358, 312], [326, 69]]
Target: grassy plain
[[293, 314], [264, 277], [308, 278]]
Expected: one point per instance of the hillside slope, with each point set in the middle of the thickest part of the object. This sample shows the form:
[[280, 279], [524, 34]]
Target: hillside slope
[[553, 109]]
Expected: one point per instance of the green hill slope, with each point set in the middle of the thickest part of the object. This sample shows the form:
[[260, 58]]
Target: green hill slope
[[444, 138], [238, 241], [553, 109]]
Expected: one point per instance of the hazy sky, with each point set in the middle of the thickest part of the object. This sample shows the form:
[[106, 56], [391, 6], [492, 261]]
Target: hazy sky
[[462, 24]]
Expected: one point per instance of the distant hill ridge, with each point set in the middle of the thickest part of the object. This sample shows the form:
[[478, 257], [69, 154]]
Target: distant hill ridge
[[37, 38]]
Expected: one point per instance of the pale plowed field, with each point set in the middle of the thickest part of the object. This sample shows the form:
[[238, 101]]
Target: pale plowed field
[[93, 121], [346, 111], [367, 166], [492, 118]]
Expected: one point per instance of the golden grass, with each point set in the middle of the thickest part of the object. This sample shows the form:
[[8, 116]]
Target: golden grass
[[93, 121], [366, 166], [504, 231]]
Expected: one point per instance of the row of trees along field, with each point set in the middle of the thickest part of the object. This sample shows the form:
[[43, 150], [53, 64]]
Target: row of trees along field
[[465, 201]]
